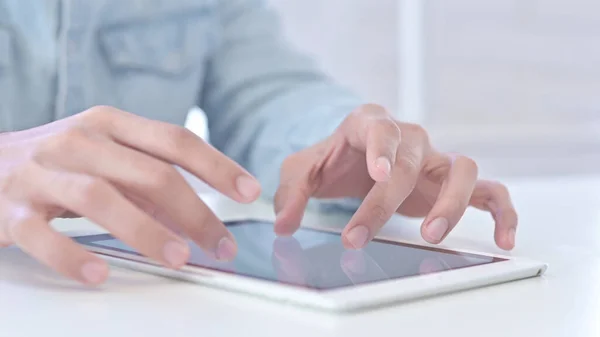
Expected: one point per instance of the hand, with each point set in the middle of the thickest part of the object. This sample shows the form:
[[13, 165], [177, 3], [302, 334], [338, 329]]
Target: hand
[[116, 169], [395, 169]]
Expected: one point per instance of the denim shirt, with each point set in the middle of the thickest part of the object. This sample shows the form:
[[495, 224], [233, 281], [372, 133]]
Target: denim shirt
[[159, 58]]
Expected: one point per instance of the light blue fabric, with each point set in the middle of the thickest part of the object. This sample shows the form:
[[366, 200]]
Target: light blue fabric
[[159, 58]]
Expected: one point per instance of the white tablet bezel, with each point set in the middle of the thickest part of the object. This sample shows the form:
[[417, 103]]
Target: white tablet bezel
[[345, 298]]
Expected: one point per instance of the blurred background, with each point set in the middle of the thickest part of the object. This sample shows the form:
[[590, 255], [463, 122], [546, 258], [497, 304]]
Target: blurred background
[[514, 84]]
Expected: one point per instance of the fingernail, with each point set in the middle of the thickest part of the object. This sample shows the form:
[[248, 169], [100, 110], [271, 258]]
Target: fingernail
[[511, 236], [248, 187], [437, 228], [358, 236], [94, 272], [176, 253], [384, 164], [226, 249]]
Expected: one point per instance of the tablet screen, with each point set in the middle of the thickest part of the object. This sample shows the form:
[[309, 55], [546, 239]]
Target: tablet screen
[[317, 259]]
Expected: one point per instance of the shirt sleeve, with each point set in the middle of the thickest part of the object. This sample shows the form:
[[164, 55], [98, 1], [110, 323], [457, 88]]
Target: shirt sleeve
[[263, 99]]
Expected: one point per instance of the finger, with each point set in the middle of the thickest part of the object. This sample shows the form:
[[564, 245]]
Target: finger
[[152, 183], [200, 224], [383, 139], [452, 200], [495, 198], [288, 260], [383, 199], [31, 232], [99, 201], [296, 186], [291, 200], [182, 147], [370, 128]]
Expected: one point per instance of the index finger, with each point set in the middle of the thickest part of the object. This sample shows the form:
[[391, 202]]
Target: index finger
[[179, 146], [384, 198]]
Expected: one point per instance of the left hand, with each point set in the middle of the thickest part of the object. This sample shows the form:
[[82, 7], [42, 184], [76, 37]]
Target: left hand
[[395, 169]]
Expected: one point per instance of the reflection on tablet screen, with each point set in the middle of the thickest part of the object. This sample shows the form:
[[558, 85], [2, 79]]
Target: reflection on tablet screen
[[318, 259]]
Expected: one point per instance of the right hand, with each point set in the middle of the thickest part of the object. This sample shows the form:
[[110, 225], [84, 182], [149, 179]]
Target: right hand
[[116, 169]]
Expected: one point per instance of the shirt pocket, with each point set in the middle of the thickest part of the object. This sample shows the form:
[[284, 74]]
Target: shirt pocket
[[164, 46]]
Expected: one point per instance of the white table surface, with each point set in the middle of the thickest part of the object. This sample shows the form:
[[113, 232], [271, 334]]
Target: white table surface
[[559, 224]]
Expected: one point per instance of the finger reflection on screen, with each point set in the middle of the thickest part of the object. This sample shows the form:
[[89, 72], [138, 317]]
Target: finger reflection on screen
[[433, 265], [289, 260], [360, 267]]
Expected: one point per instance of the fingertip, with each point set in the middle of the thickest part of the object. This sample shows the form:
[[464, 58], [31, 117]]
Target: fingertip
[[284, 232], [248, 188], [176, 254], [347, 244], [226, 249], [284, 228], [435, 231], [95, 273], [356, 237], [510, 239], [289, 217], [505, 239]]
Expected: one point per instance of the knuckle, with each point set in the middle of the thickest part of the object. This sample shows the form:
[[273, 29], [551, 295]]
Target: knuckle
[[379, 213], [217, 164], [15, 181], [88, 190], [415, 129], [205, 222], [66, 141], [100, 112], [390, 128], [163, 176], [179, 138], [454, 204], [21, 223], [494, 189], [96, 114], [408, 165], [417, 132], [100, 116], [469, 164], [500, 188], [11, 181], [373, 109]]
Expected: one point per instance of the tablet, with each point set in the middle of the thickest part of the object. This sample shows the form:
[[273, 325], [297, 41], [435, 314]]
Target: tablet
[[312, 268]]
